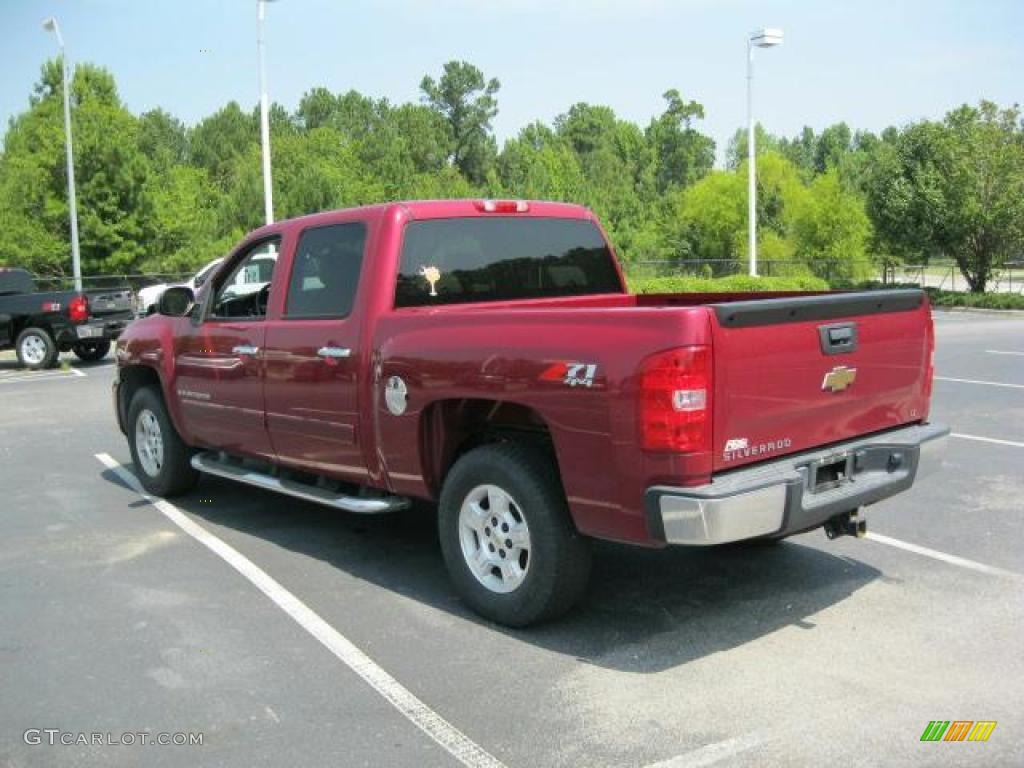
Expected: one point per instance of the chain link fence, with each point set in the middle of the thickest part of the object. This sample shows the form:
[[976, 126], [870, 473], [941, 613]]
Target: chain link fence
[[111, 282]]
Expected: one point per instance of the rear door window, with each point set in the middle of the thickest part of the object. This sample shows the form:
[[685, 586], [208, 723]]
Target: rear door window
[[459, 260]]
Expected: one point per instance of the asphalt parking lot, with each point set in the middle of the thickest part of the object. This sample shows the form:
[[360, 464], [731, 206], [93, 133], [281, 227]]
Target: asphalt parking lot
[[117, 620]]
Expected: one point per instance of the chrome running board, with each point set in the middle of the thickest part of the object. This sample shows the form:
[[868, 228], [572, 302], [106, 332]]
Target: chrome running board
[[213, 464]]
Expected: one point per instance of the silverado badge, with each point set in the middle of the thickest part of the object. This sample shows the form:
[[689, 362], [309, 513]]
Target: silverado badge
[[838, 379]]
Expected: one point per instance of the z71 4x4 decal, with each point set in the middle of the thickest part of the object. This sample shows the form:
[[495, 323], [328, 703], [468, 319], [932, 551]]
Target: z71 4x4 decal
[[572, 374]]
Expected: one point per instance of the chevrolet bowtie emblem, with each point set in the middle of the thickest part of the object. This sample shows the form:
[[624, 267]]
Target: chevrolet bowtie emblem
[[838, 379]]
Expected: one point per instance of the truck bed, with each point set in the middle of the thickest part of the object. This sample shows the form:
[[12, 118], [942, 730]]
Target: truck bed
[[769, 360]]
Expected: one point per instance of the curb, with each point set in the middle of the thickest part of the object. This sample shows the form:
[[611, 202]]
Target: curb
[[980, 311]]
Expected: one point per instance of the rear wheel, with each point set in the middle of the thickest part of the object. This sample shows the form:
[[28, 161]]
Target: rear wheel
[[508, 541], [91, 351], [36, 349], [162, 459]]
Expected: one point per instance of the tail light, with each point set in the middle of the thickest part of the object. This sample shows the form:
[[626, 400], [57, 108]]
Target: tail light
[[929, 372], [502, 206], [78, 309], [675, 400]]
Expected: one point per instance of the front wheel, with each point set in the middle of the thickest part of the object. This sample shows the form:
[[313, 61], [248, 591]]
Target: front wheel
[[36, 349], [508, 541], [91, 351], [162, 460]]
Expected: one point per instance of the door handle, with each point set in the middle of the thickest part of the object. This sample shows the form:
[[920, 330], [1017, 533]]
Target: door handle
[[245, 349], [334, 353]]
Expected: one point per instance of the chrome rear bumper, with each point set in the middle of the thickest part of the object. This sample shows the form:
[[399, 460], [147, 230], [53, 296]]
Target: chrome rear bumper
[[776, 497]]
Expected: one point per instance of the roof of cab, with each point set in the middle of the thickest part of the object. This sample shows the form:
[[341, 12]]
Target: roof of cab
[[432, 209]]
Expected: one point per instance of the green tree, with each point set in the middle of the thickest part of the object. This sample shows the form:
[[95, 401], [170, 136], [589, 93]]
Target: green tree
[[181, 206], [830, 231], [710, 219], [162, 139], [538, 164], [219, 140], [954, 188], [832, 147], [317, 108], [110, 172], [682, 154], [467, 102], [736, 149], [801, 151]]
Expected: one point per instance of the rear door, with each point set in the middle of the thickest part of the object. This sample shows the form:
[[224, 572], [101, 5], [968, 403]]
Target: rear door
[[802, 372], [219, 362], [312, 361]]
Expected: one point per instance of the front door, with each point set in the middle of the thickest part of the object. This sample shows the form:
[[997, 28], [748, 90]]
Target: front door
[[312, 360], [219, 361]]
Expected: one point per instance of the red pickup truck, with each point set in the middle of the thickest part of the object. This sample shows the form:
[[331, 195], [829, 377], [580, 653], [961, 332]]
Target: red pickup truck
[[486, 356]]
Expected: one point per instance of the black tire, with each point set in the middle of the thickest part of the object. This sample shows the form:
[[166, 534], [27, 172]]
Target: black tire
[[36, 349], [173, 474], [91, 351], [558, 562]]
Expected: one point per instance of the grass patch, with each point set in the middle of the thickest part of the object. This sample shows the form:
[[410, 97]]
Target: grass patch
[[730, 284]]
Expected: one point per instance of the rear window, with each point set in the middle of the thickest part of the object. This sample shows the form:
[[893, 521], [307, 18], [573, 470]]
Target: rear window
[[453, 261]]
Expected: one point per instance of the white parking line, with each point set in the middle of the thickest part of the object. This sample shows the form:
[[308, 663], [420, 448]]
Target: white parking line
[[976, 381], [994, 440], [963, 562], [18, 377], [710, 754], [1004, 352], [456, 743]]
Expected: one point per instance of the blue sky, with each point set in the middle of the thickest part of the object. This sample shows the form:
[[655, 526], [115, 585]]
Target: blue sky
[[870, 63]]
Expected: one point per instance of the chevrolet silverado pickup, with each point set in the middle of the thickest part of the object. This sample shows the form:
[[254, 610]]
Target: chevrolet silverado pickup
[[41, 325], [487, 357]]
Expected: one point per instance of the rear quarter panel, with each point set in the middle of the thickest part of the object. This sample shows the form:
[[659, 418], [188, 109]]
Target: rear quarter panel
[[500, 355]]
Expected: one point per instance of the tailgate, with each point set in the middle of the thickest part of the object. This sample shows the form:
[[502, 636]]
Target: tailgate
[[110, 302], [802, 372]]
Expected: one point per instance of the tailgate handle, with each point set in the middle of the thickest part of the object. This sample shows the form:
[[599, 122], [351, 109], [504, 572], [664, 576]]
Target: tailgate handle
[[838, 339]]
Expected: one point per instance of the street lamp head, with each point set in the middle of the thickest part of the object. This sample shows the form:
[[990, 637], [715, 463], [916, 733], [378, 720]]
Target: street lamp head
[[766, 37]]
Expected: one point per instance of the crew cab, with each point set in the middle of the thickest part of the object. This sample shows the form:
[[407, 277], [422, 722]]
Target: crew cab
[[487, 357], [41, 325]]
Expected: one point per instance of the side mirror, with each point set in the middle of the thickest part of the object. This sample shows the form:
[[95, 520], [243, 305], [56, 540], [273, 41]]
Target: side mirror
[[177, 301]]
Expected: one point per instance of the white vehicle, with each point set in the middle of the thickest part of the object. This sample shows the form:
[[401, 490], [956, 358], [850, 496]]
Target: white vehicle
[[253, 278], [147, 298]]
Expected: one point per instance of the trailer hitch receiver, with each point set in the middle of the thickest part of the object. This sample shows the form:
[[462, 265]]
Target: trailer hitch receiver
[[847, 524]]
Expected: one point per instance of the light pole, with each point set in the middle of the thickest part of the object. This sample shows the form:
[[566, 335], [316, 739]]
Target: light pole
[[50, 25], [760, 38], [268, 192]]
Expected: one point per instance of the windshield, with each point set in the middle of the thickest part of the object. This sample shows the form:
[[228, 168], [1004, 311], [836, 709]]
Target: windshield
[[451, 261]]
